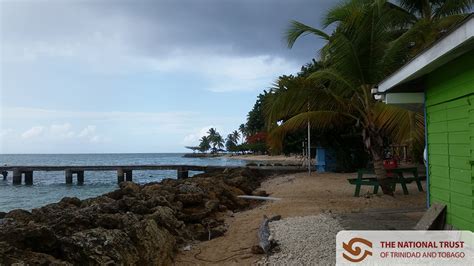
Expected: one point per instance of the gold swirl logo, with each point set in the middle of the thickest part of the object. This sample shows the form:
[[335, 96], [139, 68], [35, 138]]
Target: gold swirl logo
[[356, 251]]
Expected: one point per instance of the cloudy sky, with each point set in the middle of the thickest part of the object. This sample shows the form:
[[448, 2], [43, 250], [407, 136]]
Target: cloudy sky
[[139, 76]]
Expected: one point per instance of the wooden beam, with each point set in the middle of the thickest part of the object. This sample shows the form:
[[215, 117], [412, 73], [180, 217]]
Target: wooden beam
[[433, 219]]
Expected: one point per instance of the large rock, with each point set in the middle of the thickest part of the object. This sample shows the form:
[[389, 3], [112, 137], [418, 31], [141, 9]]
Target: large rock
[[131, 225], [19, 215]]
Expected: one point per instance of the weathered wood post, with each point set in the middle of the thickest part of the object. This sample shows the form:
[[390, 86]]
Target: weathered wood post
[[29, 177], [5, 174], [16, 177], [68, 175], [182, 173], [80, 177], [128, 175], [120, 175]]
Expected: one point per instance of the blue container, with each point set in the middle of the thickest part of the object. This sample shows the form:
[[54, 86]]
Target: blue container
[[320, 159]]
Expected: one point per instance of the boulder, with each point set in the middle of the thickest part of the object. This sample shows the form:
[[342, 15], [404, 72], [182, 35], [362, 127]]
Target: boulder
[[190, 198], [19, 215], [71, 201], [135, 224]]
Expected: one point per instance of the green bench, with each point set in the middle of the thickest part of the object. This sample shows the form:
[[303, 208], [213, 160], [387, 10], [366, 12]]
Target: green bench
[[398, 178], [364, 181], [407, 180]]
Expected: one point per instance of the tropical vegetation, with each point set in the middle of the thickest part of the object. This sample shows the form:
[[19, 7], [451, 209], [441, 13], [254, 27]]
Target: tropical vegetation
[[365, 41]]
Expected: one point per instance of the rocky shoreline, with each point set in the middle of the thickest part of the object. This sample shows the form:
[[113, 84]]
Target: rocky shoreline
[[136, 224]]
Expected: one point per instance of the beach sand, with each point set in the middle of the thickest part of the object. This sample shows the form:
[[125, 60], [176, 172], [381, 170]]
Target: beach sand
[[301, 195]]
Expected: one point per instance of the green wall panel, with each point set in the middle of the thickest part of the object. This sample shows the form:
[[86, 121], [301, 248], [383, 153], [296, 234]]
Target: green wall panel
[[450, 130]]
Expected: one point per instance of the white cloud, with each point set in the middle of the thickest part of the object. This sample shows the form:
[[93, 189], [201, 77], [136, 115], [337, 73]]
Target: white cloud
[[192, 139], [61, 131], [32, 132], [87, 131], [95, 139], [5, 132], [227, 73]]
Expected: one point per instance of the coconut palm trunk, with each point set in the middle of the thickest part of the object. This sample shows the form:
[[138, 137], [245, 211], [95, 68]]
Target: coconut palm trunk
[[374, 144]]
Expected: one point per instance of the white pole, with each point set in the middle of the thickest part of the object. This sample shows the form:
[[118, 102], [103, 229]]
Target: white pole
[[309, 148]]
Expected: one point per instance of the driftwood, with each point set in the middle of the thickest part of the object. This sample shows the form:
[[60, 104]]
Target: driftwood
[[257, 197], [264, 233], [433, 219]]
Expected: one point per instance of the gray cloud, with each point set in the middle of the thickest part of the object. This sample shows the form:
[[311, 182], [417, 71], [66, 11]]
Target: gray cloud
[[155, 28]]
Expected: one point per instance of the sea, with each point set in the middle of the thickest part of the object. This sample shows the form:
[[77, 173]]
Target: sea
[[50, 187]]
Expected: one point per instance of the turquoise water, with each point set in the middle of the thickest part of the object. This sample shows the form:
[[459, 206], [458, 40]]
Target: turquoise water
[[49, 187]]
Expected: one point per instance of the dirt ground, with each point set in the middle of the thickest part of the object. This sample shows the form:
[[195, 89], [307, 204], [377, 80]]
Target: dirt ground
[[300, 195]]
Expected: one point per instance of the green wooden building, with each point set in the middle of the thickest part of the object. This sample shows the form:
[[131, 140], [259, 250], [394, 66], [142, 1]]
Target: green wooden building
[[440, 83]]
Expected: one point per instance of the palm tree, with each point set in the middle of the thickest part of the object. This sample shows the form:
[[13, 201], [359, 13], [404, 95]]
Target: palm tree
[[215, 139], [212, 132], [218, 143], [428, 19], [243, 130], [356, 57], [231, 142], [236, 136], [205, 144]]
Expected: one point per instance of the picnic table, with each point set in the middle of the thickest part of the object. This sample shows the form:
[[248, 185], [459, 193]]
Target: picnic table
[[397, 177]]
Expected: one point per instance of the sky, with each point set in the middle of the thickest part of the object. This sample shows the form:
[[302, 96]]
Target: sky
[[140, 76]]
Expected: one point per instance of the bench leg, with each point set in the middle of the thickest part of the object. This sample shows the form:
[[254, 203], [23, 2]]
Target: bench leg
[[404, 187], [357, 191], [418, 183], [376, 189]]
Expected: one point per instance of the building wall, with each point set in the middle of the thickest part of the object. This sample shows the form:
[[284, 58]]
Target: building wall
[[450, 130]]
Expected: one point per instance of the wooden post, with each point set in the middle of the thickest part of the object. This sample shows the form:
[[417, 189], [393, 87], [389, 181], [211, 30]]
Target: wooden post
[[68, 174], [5, 174], [182, 173], [29, 177], [128, 175], [120, 175], [16, 177], [80, 177]]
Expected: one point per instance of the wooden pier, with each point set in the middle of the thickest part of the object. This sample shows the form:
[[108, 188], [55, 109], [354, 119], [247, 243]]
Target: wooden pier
[[124, 172]]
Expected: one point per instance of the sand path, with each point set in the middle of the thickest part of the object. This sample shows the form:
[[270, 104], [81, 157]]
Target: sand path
[[301, 195]]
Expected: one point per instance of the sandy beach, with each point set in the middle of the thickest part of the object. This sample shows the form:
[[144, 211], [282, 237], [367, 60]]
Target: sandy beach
[[301, 195]]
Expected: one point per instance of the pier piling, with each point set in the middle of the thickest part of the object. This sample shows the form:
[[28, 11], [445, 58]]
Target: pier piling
[[16, 177], [68, 175], [120, 175], [28, 177], [80, 177], [182, 173], [128, 175], [5, 174]]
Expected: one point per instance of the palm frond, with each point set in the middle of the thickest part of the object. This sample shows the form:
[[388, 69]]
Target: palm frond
[[298, 29], [403, 126], [453, 7], [321, 120]]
